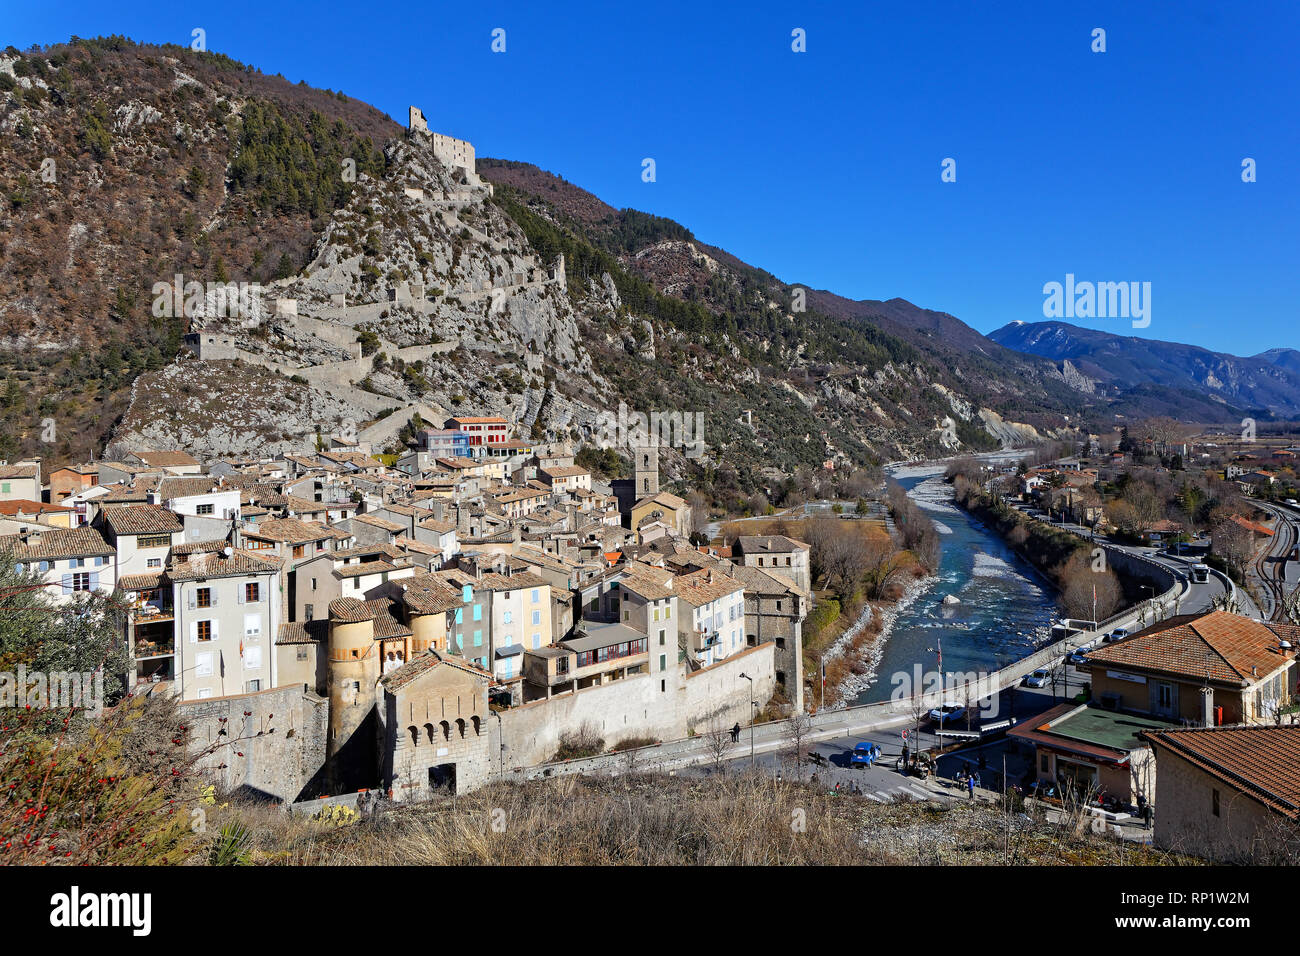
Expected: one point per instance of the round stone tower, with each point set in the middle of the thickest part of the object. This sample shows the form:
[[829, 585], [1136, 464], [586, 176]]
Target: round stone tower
[[354, 670]]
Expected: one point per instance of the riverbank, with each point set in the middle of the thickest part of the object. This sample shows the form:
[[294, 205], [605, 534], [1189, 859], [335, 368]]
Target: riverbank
[[864, 657], [983, 609]]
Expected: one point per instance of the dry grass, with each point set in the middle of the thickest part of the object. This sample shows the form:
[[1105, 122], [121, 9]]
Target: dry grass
[[653, 819]]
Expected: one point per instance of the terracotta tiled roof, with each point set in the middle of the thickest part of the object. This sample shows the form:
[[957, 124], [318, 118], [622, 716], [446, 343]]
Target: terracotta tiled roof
[[383, 523], [665, 498], [288, 530], [196, 547], [426, 594], [759, 581], [769, 544], [438, 526], [350, 610], [395, 680], [703, 587], [368, 550], [1252, 526], [303, 632], [387, 617], [170, 488], [1261, 762], [138, 490], [653, 584], [1232, 649], [166, 459], [27, 506], [362, 568], [57, 543], [216, 564], [140, 582], [141, 519]]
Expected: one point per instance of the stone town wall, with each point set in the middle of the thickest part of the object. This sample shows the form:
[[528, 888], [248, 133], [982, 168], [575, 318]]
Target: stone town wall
[[636, 707], [266, 744]]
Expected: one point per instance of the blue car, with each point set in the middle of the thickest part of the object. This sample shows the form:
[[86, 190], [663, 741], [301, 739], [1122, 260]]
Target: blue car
[[864, 754]]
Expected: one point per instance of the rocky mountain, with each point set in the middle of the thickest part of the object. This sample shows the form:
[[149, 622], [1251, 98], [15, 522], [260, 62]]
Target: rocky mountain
[[1288, 359], [1190, 382], [390, 277]]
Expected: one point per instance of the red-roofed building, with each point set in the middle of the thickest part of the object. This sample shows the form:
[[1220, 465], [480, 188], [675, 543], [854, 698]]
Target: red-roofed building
[[1229, 793]]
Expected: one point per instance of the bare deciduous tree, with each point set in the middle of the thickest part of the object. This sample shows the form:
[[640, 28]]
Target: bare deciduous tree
[[797, 729], [717, 742]]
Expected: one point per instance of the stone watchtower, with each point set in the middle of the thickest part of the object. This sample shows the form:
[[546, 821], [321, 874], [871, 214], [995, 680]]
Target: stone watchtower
[[416, 122], [354, 668], [646, 465]]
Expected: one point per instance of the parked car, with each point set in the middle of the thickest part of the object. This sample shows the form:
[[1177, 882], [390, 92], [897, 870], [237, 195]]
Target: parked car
[[864, 754], [1116, 635], [1038, 678], [1076, 657], [947, 713]]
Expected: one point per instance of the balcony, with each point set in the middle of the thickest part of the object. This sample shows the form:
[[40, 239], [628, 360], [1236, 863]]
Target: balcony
[[703, 640], [150, 612], [151, 647]]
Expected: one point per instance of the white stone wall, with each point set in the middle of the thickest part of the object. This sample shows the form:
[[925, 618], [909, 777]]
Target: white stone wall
[[637, 707]]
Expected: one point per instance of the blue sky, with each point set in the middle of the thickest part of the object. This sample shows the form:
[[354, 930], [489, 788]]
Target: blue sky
[[824, 167]]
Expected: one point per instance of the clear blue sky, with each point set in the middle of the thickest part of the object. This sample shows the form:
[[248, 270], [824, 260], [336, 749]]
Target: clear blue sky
[[824, 167]]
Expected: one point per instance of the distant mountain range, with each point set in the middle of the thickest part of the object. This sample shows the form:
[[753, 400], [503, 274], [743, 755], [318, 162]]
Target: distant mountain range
[[1125, 367]]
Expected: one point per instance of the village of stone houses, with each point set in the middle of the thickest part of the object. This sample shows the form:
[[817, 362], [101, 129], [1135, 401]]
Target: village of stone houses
[[375, 571]]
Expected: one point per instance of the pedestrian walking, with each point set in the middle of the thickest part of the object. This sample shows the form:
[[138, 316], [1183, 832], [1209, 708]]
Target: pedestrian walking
[[735, 733], [970, 787]]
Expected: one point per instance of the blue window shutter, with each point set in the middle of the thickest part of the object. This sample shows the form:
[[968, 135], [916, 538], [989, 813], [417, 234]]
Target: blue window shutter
[[67, 584], [94, 580]]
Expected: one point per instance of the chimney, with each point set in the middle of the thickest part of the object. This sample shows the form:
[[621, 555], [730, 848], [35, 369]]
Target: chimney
[[1207, 706]]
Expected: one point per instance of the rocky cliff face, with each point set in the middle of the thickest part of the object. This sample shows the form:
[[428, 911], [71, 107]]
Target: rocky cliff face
[[393, 284]]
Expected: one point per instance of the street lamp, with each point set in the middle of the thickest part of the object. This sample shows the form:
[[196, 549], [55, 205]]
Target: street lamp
[[752, 705]]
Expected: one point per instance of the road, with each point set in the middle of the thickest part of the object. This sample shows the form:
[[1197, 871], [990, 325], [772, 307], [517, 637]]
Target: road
[[1200, 596]]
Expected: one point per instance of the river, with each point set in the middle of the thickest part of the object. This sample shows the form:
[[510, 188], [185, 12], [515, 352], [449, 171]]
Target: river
[[1006, 609]]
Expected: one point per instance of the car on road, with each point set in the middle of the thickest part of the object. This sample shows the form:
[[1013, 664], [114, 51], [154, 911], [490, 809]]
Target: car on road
[[1116, 635], [1077, 656], [864, 754], [1038, 678], [947, 712]]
